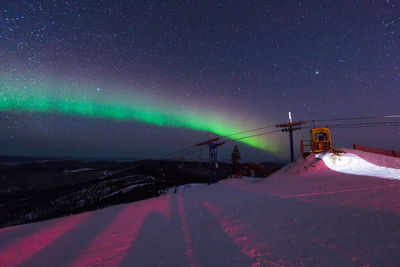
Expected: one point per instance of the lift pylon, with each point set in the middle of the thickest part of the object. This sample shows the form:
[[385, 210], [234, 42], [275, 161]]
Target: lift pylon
[[212, 145]]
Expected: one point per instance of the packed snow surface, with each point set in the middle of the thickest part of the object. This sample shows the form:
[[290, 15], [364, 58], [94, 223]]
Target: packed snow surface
[[306, 214]]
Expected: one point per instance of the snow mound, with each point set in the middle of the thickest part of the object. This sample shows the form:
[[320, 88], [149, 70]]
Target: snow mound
[[350, 163]]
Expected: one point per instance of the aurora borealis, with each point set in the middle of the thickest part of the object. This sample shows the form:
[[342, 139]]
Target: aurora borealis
[[141, 79], [46, 98]]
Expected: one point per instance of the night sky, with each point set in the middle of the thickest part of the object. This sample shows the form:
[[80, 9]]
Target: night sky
[[143, 79]]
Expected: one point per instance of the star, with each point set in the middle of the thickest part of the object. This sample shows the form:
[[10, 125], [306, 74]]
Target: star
[[150, 67]]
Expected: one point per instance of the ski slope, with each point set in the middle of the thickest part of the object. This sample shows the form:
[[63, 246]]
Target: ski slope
[[308, 213]]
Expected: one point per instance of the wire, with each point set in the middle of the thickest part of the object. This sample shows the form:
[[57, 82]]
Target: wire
[[182, 156], [221, 136], [377, 124], [188, 153], [369, 126], [359, 118], [351, 125], [254, 135], [361, 124], [251, 130], [178, 151]]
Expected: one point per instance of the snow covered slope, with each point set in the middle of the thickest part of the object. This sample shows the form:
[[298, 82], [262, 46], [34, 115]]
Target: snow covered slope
[[308, 213]]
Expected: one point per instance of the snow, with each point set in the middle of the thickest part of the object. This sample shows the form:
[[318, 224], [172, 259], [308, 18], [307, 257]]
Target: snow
[[124, 190], [79, 170], [252, 179], [185, 187], [352, 164], [304, 214]]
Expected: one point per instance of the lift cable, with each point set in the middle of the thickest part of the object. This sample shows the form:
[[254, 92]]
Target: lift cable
[[250, 136], [358, 118], [361, 125], [367, 126], [247, 131], [221, 136], [353, 125], [233, 140], [192, 152], [186, 154], [179, 151]]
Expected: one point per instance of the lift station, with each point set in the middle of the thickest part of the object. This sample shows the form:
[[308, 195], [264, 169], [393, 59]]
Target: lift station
[[320, 141]]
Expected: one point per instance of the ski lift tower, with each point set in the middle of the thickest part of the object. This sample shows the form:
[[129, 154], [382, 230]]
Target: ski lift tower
[[212, 145]]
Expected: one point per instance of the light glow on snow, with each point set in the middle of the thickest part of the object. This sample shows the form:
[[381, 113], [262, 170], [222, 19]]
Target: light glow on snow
[[21, 250], [353, 164], [222, 225], [186, 233], [239, 235], [114, 241], [250, 223]]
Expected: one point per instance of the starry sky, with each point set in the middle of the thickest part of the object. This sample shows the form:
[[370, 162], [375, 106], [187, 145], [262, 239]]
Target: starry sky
[[143, 79]]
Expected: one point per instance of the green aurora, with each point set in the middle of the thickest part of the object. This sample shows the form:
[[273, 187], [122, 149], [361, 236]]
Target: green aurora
[[76, 99]]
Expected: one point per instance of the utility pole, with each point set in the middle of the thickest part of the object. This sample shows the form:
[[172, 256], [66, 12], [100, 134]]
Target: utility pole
[[212, 145], [288, 127]]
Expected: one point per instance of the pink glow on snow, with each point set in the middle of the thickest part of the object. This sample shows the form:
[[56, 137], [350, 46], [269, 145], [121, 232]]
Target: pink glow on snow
[[8, 229], [186, 234], [263, 232], [310, 180], [112, 244], [241, 237], [21, 250], [3, 230], [340, 252]]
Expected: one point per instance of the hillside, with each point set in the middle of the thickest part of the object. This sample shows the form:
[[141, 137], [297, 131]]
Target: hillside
[[40, 190], [315, 211]]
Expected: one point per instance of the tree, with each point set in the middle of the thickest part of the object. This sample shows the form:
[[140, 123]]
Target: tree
[[235, 159]]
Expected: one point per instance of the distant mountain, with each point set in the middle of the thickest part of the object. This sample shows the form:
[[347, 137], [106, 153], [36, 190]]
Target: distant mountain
[[23, 159], [9, 159]]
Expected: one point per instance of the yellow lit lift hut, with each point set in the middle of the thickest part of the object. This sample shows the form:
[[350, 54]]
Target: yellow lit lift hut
[[320, 141]]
